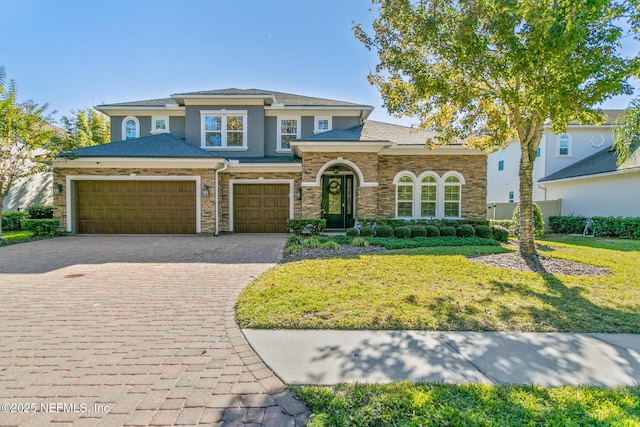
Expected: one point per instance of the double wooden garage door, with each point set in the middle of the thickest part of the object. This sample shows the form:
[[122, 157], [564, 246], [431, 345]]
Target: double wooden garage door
[[135, 207], [260, 208]]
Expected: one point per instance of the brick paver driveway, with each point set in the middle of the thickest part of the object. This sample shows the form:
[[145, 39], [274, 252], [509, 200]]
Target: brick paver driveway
[[134, 330]]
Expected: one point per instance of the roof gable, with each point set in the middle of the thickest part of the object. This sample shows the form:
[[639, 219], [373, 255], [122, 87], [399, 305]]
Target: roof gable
[[604, 161]]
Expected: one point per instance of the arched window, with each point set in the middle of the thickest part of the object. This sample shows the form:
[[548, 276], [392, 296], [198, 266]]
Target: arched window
[[428, 197], [452, 197], [404, 197], [130, 128]]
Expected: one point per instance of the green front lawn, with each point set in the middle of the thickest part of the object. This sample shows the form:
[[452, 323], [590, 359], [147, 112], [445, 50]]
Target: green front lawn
[[16, 236], [440, 289], [406, 404]]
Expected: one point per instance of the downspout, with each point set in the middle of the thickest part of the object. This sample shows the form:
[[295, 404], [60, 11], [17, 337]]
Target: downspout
[[226, 165]]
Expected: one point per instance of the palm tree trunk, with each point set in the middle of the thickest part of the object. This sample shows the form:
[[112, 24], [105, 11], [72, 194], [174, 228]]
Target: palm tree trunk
[[527, 236]]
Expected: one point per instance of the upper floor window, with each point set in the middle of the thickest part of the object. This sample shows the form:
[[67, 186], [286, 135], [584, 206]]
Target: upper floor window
[[160, 124], [288, 130], [500, 160], [510, 196], [452, 197], [404, 197], [130, 128], [564, 145], [224, 130], [322, 124], [538, 151]]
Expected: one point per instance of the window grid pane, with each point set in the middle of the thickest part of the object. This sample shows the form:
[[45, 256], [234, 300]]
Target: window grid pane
[[405, 209], [130, 129], [451, 193], [452, 209], [428, 209]]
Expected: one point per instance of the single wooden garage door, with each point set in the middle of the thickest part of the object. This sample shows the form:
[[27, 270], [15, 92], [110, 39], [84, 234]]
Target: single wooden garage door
[[260, 208], [135, 207]]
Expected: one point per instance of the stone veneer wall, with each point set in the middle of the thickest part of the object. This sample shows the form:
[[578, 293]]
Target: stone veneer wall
[[224, 191], [366, 197], [472, 167], [207, 209]]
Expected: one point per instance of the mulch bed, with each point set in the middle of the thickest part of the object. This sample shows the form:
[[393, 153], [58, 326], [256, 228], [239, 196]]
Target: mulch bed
[[510, 260]]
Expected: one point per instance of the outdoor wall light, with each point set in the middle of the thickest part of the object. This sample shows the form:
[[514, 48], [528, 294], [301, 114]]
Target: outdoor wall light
[[205, 190], [57, 189], [299, 193]]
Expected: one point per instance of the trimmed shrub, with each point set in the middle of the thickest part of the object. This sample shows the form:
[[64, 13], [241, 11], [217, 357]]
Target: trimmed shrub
[[500, 233], [538, 222], [307, 226], [367, 231], [447, 231], [465, 230], [360, 242], [484, 231], [432, 231], [11, 220], [506, 223], [312, 243], [394, 223], [331, 245], [40, 212], [417, 231], [402, 232], [623, 228], [40, 227], [567, 224], [352, 232], [293, 249], [384, 231]]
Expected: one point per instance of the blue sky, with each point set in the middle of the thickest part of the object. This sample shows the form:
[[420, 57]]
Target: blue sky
[[77, 54]]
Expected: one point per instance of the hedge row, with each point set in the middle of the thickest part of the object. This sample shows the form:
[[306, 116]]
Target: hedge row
[[393, 223], [415, 231], [306, 226], [619, 227], [11, 220]]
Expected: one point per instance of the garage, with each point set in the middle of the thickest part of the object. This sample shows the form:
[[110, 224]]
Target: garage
[[261, 208], [135, 207]]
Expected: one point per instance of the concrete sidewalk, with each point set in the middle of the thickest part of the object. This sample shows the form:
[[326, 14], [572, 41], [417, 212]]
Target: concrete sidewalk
[[547, 359]]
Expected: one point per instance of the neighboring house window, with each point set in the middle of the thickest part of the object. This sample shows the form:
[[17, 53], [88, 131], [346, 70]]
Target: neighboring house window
[[288, 130], [501, 161], [428, 197], [224, 129], [538, 151], [510, 196], [452, 197], [322, 124], [160, 124], [564, 145], [404, 197], [130, 128]]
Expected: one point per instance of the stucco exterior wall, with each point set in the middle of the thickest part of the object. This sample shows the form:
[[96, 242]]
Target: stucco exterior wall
[[207, 204], [612, 195]]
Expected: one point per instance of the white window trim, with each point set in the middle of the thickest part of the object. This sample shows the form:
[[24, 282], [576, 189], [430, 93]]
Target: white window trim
[[279, 148], [316, 119], [124, 126], [569, 148], [153, 124], [417, 193], [259, 181], [223, 114], [443, 184]]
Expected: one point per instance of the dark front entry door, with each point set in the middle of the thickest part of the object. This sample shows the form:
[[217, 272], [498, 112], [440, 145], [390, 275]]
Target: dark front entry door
[[337, 200]]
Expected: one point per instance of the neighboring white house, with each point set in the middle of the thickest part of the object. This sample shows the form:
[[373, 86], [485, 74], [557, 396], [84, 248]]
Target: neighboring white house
[[575, 167], [31, 190]]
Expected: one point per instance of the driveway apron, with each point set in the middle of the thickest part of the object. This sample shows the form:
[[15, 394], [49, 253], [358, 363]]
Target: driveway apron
[[135, 330]]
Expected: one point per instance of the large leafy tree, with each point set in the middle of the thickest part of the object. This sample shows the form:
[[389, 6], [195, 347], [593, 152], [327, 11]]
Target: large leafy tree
[[626, 138], [25, 133], [490, 71], [85, 127]]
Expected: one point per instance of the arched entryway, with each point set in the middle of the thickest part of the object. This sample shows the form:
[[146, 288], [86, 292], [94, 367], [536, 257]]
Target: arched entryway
[[338, 197]]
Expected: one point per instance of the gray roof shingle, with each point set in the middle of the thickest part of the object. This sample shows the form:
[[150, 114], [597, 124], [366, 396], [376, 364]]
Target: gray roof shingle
[[372, 130], [160, 102], [163, 145], [601, 162]]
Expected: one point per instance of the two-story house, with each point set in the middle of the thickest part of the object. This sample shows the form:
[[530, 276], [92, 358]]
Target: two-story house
[[577, 168], [237, 160]]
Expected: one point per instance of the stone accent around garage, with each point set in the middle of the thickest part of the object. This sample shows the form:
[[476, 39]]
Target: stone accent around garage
[[224, 201], [207, 177]]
